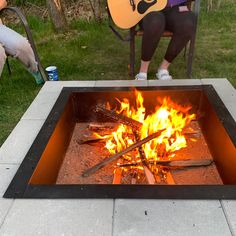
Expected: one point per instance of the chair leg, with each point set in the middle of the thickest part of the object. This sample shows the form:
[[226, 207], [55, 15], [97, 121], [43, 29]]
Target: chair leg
[[132, 52], [8, 66]]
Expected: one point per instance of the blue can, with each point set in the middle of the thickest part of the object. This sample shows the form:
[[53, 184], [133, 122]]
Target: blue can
[[52, 73]]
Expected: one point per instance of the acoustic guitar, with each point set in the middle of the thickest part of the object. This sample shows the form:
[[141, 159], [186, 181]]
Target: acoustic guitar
[[127, 13]]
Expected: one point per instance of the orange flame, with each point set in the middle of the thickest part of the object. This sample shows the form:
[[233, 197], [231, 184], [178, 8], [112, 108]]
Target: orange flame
[[169, 116]]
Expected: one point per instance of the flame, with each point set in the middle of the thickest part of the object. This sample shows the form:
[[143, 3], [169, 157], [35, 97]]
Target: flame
[[168, 116]]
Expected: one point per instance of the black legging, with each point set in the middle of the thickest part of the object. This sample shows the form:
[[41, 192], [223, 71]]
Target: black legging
[[171, 19]]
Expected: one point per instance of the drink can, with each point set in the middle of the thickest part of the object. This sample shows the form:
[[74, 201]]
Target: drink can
[[52, 73]]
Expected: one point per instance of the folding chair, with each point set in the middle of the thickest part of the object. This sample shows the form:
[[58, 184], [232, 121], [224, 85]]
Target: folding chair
[[24, 23]]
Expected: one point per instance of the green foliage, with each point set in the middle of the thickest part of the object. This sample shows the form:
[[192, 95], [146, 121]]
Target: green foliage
[[90, 51]]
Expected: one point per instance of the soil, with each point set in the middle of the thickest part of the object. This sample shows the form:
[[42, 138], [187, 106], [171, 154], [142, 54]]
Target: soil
[[80, 157]]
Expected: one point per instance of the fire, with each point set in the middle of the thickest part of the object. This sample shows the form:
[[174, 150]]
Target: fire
[[168, 116]]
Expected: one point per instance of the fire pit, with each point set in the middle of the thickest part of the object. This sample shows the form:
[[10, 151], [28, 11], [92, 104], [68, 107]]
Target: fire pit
[[154, 142]]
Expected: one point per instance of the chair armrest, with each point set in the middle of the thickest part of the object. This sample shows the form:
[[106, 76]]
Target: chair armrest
[[24, 22]]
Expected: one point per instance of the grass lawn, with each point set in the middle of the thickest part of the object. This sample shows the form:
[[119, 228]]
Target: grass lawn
[[90, 51]]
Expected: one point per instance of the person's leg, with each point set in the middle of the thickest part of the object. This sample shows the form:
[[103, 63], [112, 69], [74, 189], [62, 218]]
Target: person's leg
[[153, 26], [2, 58], [18, 46], [180, 21]]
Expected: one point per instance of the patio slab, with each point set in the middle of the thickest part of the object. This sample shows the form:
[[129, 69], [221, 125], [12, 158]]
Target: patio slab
[[7, 172], [5, 206], [168, 217], [105, 216], [59, 217], [19, 141]]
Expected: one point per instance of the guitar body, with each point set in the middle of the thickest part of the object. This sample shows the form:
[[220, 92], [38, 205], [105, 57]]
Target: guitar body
[[125, 16]]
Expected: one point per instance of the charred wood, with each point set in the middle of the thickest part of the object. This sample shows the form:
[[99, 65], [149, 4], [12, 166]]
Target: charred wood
[[119, 154], [118, 117]]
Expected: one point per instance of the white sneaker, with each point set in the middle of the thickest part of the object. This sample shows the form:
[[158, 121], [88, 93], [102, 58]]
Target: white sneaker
[[141, 76], [163, 74]]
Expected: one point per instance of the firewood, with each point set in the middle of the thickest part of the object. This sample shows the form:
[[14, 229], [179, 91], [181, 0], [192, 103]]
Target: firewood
[[169, 178], [119, 154], [183, 163], [117, 176], [102, 126], [89, 140], [193, 134], [118, 117], [148, 174]]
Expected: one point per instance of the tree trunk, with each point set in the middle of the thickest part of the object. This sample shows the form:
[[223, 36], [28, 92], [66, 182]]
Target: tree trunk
[[96, 8], [57, 15]]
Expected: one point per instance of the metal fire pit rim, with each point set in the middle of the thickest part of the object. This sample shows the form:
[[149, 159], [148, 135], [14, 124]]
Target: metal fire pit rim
[[19, 187]]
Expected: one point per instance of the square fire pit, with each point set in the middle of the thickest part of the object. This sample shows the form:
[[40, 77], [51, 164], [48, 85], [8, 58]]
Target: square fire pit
[[56, 161]]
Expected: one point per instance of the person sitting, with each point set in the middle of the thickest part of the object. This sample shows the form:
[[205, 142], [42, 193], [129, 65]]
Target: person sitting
[[175, 17], [14, 44]]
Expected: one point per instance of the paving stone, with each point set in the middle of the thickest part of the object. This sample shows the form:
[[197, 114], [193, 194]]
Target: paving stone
[[174, 82], [223, 87], [230, 212], [41, 106], [121, 83], [56, 86], [7, 172], [59, 217], [226, 92], [5, 205], [169, 217], [19, 141]]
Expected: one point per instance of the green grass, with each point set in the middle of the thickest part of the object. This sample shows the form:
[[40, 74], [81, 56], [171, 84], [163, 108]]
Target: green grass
[[90, 51]]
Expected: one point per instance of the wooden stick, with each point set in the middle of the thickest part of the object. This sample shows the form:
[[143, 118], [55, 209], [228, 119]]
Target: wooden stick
[[175, 163], [148, 174], [117, 155], [118, 117], [102, 126], [90, 140], [169, 178], [185, 163], [117, 176]]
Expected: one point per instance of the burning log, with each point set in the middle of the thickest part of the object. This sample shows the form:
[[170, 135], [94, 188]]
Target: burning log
[[118, 117], [119, 154]]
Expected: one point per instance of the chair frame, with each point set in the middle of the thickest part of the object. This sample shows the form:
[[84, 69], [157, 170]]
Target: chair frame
[[24, 23], [133, 32]]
